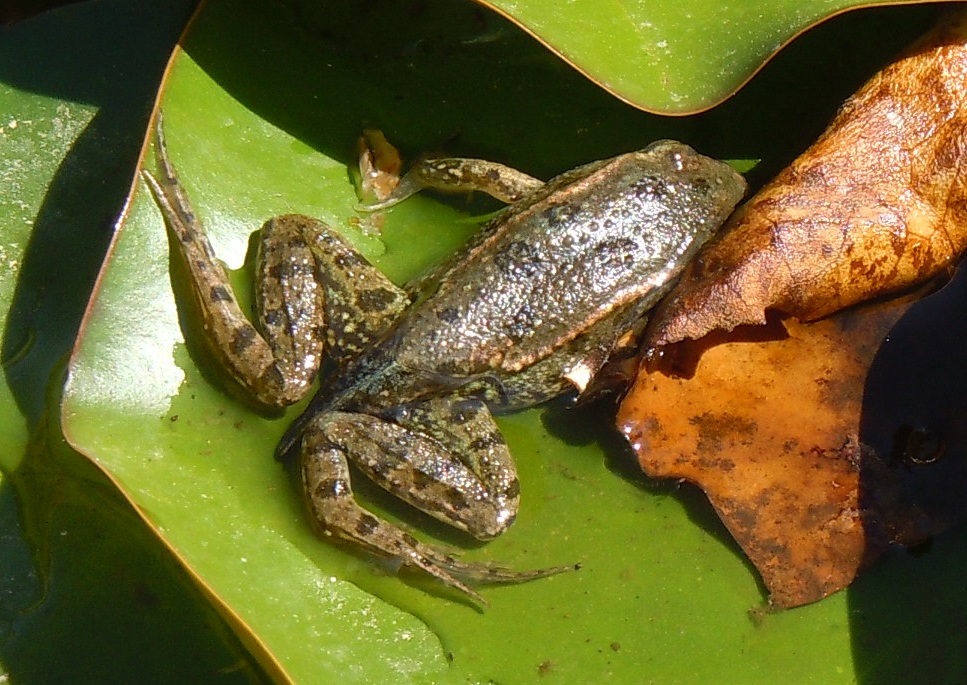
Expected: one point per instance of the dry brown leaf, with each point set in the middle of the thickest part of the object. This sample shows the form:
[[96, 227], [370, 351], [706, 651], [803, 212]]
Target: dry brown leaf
[[768, 423], [815, 457], [877, 204]]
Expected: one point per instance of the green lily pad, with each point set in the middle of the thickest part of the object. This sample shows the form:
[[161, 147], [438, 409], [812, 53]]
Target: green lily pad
[[671, 56], [86, 592], [262, 111]]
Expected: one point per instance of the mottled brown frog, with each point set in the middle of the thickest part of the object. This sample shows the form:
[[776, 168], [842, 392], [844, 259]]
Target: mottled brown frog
[[529, 309]]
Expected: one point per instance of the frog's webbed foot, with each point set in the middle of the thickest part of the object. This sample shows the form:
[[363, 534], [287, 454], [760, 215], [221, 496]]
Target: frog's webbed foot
[[478, 493], [460, 175]]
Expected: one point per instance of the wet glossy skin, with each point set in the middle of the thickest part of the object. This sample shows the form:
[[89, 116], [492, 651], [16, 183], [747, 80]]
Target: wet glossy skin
[[530, 308]]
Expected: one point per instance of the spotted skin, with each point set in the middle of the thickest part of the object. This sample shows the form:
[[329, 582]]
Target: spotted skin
[[528, 309], [461, 175], [307, 282], [246, 354], [301, 260], [412, 456]]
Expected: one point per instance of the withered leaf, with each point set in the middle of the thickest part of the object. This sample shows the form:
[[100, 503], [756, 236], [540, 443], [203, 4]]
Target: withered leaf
[[773, 423], [784, 426], [877, 204]]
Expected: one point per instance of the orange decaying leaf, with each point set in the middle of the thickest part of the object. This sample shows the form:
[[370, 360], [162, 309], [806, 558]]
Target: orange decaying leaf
[[819, 445], [779, 423], [877, 204], [769, 429]]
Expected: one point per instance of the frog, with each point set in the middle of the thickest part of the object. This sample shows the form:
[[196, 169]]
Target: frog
[[409, 379]]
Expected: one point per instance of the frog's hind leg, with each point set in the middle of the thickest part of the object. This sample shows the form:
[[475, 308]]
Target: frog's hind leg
[[414, 467], [255, 361], [462, 473], [360, 302], [312, 288], [335, 512]]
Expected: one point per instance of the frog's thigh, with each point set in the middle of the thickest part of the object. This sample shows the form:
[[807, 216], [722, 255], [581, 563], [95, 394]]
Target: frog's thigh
[[461, 473], [474, 472], [360, 303]]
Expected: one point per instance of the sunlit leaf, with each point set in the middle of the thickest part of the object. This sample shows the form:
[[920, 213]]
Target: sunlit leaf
[[263, 111], [86, 592], [670, 56], [873, 207]]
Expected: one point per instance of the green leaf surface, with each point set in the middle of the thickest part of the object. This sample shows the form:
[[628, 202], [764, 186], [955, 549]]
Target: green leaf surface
[[87, 595], [663, 595], [671, 56]]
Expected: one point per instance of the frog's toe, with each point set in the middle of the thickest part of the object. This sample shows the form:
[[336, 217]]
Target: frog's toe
[[496, 573], [409, 185]]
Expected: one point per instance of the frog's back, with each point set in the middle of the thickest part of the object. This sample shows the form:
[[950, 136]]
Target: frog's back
[[593, 241]]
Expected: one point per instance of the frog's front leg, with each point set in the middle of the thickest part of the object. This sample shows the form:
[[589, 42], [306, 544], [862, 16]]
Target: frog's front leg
[[446, 457], [313, 291], [460, 175]]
